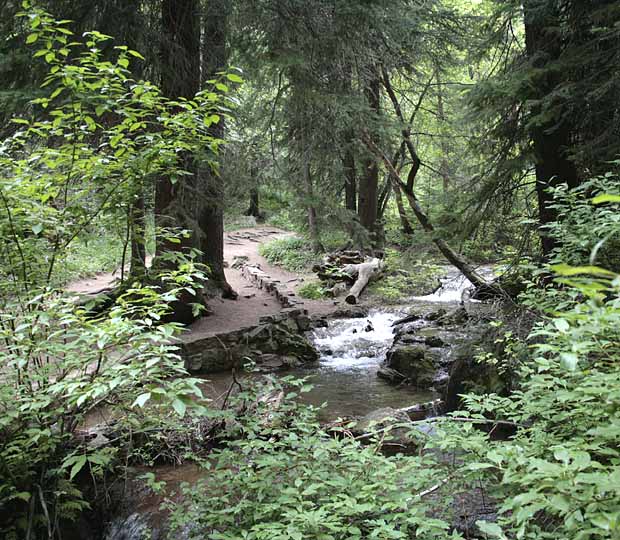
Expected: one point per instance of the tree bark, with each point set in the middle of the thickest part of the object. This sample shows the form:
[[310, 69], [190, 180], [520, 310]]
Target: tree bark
[[365, 271], [406, 130], [211, 212], [350, 177], [313, 220], [180, 54], [444, 166], [551, 139], [369, 183]]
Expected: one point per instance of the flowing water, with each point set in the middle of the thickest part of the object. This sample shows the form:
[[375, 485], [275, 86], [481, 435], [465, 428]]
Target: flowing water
[[455, 287], [345, 381], [352, 350]]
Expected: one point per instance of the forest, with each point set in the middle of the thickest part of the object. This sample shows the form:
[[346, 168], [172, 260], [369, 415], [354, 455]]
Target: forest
[[309, 269]]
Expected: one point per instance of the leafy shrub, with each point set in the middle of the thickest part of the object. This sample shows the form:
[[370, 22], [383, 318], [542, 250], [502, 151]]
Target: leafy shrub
[[286, 477], [558, 476], [292, 253], [58, 175], [312, 290], [587, 232]]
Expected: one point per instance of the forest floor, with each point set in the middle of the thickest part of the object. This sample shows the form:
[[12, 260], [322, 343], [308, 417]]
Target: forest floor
[[252, 304]]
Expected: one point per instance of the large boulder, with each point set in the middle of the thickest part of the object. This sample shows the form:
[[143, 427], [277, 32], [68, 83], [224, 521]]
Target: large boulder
[[469, 375], [416, 362], [276, 343]]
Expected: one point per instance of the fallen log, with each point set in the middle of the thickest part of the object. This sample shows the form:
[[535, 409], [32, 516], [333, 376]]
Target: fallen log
[[364, 271]]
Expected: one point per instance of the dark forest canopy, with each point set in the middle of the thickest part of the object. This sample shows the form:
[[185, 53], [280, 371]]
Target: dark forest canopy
[[374, 143]]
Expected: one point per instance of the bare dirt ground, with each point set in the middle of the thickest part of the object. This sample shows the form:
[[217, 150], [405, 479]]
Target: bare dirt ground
[[252, 303]]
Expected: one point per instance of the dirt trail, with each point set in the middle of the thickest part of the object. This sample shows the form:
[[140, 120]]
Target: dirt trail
[[252, 303]]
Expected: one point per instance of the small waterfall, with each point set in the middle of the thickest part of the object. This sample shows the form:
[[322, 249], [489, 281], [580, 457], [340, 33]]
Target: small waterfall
[[454, 286], [355, 343], [352, 351]]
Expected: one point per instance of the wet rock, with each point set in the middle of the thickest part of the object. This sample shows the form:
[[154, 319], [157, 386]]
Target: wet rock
[[467, 375], [319, 321], [415, 362], [304, 323], [437, 314], [455, 318], [369, 327], [434, 341], [350, 312], [395, 422], [390, 375]]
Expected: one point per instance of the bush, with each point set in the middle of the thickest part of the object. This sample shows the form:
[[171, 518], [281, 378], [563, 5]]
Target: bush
[[292, 253], [285, 477], [312, 290]]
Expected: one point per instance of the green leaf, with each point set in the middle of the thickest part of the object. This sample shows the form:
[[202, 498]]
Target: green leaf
[[179, 407], [32, 38], [566, 270], [234, 78], [561, 324], [36, 229], [607, 198], [141, 399], [492, 529], [77, 466], [569, 361]]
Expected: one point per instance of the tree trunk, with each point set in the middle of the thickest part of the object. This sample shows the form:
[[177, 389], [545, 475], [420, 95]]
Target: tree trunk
[[350, 179], [211, 212], [175, 202], [180, 56], [369, 183], [313, 221], [551, 139], [254, 208], [365, 271], [138, 238], [406, 130]]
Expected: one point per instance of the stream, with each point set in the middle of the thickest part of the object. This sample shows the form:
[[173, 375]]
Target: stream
[[345, 382], [352, 350]]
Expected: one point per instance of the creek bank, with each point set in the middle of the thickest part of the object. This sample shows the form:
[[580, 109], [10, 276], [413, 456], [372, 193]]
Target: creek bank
[[277, 342], [436, 349]]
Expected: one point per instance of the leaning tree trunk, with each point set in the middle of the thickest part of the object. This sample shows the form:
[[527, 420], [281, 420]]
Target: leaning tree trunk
[[452, 256]]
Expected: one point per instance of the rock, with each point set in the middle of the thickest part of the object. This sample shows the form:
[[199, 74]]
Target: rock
[[390, 375], [319, 321], [386, 419], [223, 352], [468, 375], [369, 327], [415, 362], [434, 341], [351, 312], [304, 323], [437, 314], [457, 317]]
